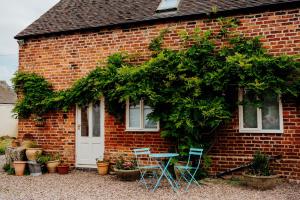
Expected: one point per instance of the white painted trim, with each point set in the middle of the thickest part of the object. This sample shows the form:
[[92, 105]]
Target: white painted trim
[[161, 8], [259, 119], [102, 116], [102, 130], [141, 128], [86, 166]]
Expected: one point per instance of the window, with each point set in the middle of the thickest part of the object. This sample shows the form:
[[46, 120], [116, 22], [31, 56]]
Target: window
[[137, 118], [168, 5], [267, 119]]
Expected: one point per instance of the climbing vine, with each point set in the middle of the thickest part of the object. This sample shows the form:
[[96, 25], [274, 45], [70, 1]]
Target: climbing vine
[[192, 90]]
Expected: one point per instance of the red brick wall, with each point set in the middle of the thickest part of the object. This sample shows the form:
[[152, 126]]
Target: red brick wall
[[233, 148], [63, 59]]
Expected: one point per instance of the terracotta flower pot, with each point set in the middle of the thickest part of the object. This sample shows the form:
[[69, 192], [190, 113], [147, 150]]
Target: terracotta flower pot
[[52, 165], [261, 182], [62, 169], [31, 153], [19, 167], [102, 168], [128, 175]]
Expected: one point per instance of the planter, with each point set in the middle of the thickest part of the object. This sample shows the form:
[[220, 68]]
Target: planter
[[127, 175], [52, 165], [31, 153], [176, 171], [34, 168], [261, 182], [62, 169], [102, 168], [19, 167]]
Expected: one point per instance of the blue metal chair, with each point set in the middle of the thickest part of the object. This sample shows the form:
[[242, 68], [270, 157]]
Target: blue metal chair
[[145, 164], [189, 171]]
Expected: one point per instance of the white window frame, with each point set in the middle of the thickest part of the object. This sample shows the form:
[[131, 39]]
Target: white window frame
[[162, 8], [142, 126], [259, 119]]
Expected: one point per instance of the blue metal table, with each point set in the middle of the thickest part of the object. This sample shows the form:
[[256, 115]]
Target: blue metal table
[[164, 168]]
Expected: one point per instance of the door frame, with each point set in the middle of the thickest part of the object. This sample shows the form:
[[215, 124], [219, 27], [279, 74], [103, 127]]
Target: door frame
[[102, 131]]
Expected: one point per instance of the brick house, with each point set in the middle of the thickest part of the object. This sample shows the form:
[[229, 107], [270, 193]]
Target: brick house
[[65, 43]]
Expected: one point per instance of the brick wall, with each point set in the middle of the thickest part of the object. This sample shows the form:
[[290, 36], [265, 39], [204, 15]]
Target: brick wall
[[63, 59], [233, 148]]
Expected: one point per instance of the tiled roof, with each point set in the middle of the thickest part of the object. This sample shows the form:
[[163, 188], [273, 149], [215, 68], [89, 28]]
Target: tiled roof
[[70, 15], [7, 95]]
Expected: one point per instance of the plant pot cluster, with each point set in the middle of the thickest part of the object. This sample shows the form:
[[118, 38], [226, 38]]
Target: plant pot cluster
[[37, 162], [34, 166]]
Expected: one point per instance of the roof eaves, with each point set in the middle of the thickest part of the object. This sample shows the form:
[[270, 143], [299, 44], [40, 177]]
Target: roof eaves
[[278, 6]]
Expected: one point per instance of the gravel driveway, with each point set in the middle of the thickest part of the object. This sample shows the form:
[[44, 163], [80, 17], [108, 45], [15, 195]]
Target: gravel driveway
[[2, 162], [88, 185]]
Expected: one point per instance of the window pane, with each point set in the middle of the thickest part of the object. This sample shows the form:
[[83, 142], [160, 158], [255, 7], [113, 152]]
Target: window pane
[[168, 4], [134, 116], [96, 119], [84, 121], [249, 111], [270, 112], [148, 123]]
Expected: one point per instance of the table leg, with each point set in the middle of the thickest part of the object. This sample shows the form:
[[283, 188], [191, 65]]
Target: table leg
[[166, 173]]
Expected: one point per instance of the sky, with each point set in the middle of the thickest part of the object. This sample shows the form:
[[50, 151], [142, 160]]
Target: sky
[[16, 15]]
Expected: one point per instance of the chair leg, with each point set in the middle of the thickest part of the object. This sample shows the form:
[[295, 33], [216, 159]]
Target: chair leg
[[192, 179], [142, 179]]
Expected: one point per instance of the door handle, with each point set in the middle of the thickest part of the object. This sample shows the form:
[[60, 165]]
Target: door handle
[[78, 127]]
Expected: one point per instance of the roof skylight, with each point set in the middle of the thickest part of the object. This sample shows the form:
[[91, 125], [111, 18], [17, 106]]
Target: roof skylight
[[167, 5]]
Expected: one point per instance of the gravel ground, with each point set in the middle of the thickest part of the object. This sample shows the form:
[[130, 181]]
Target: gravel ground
[[88, 186], [2, 161]]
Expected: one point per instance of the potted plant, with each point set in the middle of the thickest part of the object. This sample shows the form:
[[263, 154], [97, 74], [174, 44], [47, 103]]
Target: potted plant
[[33, 151], [62, 168], [259, 175], [19, 167], [102, 166], [127, 170], [52, 163], [42, 160]]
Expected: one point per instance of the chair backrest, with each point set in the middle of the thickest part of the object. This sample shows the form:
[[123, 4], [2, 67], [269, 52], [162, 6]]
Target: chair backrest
[[141, 153], [195, 152]]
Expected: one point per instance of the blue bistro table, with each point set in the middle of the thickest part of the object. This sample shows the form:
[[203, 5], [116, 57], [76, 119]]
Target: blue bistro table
[[164, 168]]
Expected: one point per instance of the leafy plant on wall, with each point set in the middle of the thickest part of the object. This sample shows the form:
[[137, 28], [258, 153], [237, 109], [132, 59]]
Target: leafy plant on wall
[[192, 90]]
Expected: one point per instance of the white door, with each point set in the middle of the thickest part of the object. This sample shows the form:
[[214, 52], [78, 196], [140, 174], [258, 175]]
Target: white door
[[89, 134]]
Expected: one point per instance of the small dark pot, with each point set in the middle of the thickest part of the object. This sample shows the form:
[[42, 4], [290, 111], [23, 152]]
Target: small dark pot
[[34, 168], [63, 169]]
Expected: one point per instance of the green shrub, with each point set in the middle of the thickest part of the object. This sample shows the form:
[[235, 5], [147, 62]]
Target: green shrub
[[8, 169], [43, 159], [260, 164], [4, 143], [2, 151]]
